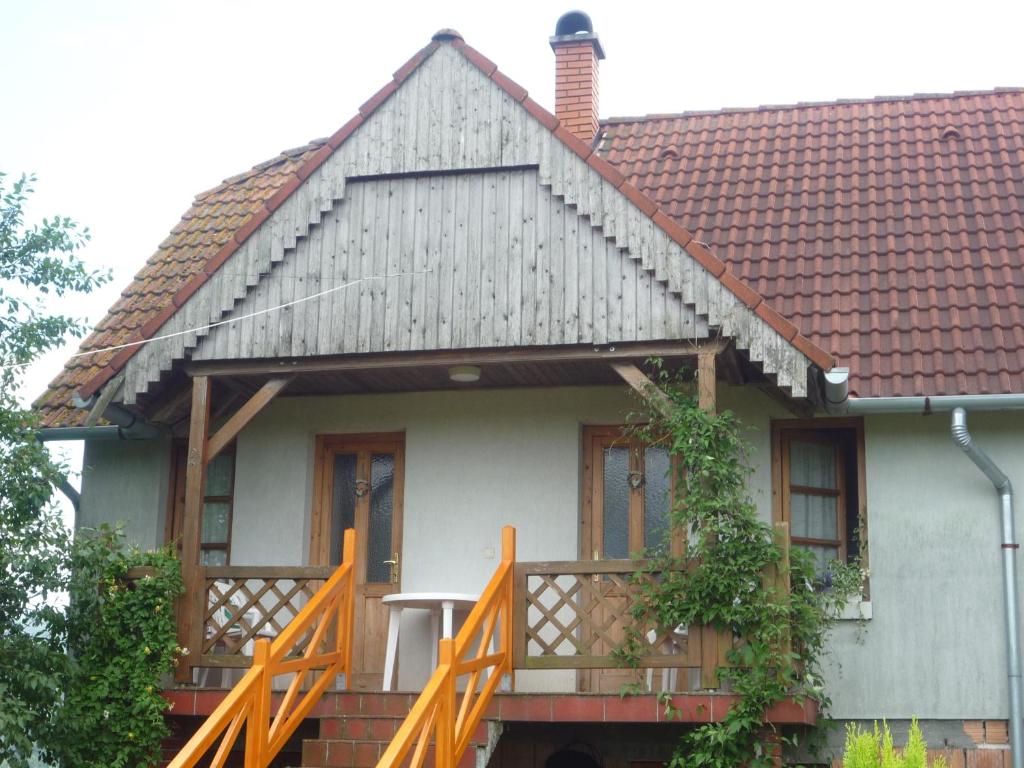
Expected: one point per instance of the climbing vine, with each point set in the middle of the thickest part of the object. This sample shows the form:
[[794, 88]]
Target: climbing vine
[[121, 638], [720, 582]]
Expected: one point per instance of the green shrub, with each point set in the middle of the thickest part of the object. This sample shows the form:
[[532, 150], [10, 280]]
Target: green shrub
[[122, 642], [874, 749]]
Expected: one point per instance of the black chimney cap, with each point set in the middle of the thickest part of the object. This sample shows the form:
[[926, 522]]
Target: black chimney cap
[[573, 27], [572, 23]]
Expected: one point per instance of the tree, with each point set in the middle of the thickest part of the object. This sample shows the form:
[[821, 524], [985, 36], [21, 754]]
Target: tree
[[37, 263]]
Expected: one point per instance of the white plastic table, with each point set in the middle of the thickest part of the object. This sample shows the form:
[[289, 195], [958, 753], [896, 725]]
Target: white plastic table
[[442, 606]]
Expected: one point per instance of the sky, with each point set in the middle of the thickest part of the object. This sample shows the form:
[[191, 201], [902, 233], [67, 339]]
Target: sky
[[126, 110]]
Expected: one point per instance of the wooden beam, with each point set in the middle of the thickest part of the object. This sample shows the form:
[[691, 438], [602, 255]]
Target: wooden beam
[[191, 608], [244, 415], [639, 381], [103, 401], [711, 639], [507, 356], [706, 389]]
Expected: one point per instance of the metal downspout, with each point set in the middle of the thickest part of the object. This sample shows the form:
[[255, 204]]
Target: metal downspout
[[1010, 546]]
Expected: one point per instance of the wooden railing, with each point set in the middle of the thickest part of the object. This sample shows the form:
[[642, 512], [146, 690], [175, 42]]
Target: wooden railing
[[314, 648], [577, 614], [482, 654], [241, 604]]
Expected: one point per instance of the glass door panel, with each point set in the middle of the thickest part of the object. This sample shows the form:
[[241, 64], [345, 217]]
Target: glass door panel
[[343, 501], [616, 502], [657, 498], [382, 504]]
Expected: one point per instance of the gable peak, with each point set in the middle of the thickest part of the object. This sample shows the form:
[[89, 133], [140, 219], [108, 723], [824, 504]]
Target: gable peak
[[446, 35]]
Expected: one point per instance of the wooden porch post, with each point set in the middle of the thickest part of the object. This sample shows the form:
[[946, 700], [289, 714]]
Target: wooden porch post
[[713, 643], [189, 619]]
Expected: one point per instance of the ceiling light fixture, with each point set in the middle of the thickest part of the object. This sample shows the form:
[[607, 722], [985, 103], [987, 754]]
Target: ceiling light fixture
[[464, 374]]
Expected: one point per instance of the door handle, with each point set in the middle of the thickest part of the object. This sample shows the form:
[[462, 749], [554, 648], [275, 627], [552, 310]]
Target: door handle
[[394, 568]]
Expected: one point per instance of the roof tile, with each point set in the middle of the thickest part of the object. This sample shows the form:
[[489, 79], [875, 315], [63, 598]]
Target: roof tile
[[856, 217]]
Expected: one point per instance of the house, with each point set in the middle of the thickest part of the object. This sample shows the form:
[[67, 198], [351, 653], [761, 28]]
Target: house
[[424, 326]]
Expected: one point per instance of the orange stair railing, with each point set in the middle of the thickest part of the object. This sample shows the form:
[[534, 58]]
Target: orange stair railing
[[482, 651], [317, 640]]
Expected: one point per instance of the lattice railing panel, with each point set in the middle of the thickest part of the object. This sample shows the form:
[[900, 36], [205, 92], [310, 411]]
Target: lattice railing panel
[[576, 615], [244, 603]]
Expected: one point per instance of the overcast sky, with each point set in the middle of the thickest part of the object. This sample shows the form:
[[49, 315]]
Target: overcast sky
[[127, 109]]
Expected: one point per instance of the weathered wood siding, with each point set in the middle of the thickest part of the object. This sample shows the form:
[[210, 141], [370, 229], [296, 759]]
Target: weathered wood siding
[[510, 265], [447, 116]]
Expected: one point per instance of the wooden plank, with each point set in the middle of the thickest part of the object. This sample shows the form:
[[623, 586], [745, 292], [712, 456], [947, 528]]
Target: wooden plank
[[368, 243], [528, 246], [513, 355], [237, 572], [600, 662], [643, 385], [514, 262], [189, 624], [542, 284], [402, 299], [106, 395], [320, 344], [384, 235], [448, 196], [469, 254], [434, 224], [499, 259], [244, 415], [423, 285], [582, 567]]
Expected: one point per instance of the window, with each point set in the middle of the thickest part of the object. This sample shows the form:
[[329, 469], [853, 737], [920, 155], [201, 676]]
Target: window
[[818, 479], [215, 539], [215, 534]]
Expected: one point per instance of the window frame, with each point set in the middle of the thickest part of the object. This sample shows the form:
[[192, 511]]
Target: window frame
[[782, 433], [176, 502]]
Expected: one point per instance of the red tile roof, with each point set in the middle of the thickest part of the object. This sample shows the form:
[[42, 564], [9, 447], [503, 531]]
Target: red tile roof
[[890, 231], [221, 219], [205, 228]]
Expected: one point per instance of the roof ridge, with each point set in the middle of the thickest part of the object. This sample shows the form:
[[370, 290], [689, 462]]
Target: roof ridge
[[809, 104]]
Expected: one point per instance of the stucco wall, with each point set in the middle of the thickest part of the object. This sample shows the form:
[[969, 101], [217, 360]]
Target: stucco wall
[[478, 459], [127, 482], [935, 647]]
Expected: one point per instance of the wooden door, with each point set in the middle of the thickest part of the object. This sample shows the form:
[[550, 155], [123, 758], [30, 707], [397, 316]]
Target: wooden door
[[359, 481], [626, 501]]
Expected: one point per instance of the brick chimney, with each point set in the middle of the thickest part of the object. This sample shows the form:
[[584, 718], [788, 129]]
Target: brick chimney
[[577, 56]]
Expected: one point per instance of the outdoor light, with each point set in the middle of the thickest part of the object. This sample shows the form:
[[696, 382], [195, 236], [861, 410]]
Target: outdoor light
[[464, 374]]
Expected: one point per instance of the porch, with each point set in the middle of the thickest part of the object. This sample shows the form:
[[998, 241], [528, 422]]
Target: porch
[[228, 607], [553, 626], [516, 625]]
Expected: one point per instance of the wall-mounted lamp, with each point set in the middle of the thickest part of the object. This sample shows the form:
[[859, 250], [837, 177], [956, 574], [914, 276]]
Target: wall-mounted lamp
[[464, 374]]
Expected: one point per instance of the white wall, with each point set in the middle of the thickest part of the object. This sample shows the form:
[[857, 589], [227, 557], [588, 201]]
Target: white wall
[[935, 647], [475, 461], [479, 459], [126, 481]]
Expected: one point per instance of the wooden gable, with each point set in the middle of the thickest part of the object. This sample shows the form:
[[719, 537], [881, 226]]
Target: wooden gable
[[514, 240]]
